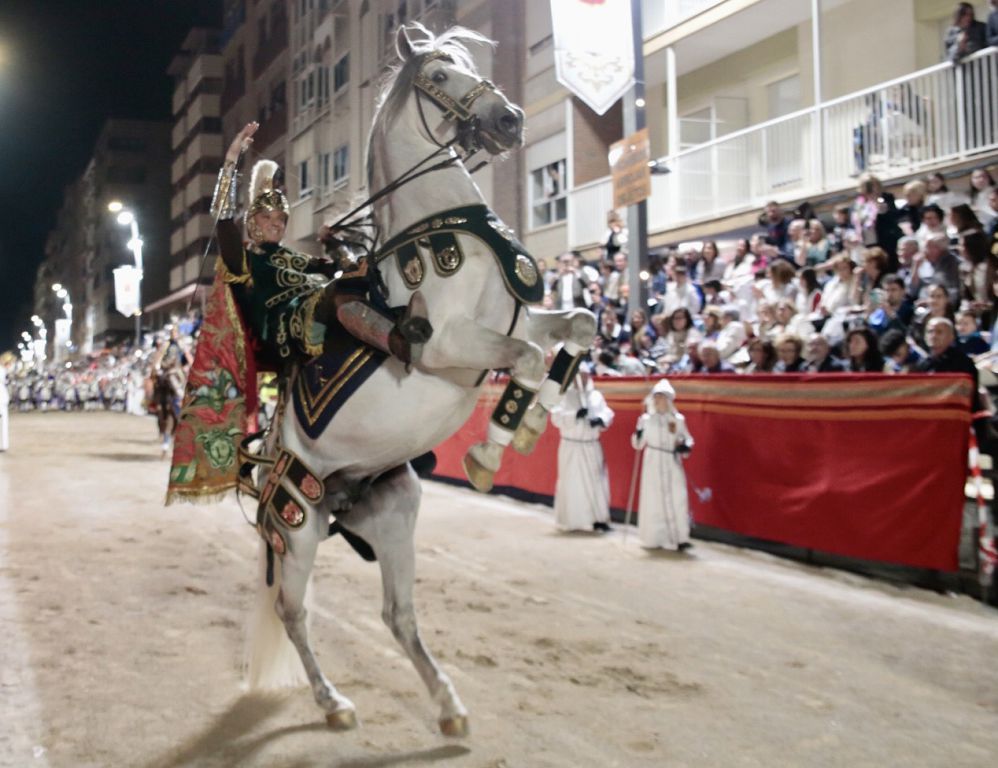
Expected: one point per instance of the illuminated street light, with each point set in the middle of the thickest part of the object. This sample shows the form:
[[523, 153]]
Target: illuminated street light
[[115, 206], [126, 218], [57, 287]]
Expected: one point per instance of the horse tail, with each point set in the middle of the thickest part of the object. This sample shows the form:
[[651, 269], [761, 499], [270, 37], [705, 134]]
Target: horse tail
[[272, 661]]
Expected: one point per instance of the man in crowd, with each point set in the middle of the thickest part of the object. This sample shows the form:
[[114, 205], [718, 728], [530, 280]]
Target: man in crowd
[[936, 264], [897, 309], [569, 288], [710, 359], [777, 229], [617, 280], [732, 334], [945, 356], [820, 358], [933, 220], [680, 293]]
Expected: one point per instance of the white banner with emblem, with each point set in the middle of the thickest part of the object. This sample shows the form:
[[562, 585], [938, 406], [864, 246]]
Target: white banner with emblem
[[594, 49], [126, 290]]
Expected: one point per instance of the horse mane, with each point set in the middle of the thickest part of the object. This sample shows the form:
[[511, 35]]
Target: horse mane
[[398, 82]]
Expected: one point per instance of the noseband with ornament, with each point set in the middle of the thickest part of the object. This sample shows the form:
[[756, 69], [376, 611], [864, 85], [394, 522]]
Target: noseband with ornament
[[457, 111]]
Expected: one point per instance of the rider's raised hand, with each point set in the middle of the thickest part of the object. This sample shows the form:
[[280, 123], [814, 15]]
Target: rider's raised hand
[[241, 142]]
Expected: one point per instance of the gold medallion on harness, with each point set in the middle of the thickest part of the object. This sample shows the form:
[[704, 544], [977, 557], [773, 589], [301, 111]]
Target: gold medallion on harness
[[448, 259], [526, 270]]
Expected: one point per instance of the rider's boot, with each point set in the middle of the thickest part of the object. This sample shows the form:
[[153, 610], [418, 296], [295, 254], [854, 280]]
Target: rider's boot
[[404, 339]]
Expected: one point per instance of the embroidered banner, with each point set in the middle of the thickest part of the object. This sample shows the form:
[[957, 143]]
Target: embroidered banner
[[594, 49], [866, 466], [126, 290]]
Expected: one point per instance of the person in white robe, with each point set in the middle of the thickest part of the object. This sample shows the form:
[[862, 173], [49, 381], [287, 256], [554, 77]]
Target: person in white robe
[[582, 492], [663, 509]]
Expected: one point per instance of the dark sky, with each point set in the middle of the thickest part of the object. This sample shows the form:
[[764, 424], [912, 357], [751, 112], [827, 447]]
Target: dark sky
[[66, 66]]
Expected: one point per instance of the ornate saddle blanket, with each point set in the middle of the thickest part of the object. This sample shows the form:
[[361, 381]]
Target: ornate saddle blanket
[[326, 382], [433, 244]]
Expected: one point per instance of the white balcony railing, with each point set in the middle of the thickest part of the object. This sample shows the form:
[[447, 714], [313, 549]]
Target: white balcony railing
[[935, 116]]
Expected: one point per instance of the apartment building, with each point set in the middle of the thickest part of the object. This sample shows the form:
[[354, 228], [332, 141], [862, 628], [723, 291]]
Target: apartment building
[[750, 100], [196, 145]]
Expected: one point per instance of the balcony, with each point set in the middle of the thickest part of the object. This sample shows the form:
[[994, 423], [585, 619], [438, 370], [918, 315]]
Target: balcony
[[910, 125]]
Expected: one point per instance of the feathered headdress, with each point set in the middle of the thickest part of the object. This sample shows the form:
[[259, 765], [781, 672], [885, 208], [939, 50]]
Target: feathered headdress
[[263, 195]]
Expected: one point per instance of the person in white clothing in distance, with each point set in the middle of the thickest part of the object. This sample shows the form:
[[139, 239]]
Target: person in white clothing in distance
[[663, 508], [582, 491]]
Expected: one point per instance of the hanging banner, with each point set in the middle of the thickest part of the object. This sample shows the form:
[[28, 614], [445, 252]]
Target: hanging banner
[[126, 290], [594, 49]]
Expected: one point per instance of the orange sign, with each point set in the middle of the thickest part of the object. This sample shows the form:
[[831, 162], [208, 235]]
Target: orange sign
[[629, 167]]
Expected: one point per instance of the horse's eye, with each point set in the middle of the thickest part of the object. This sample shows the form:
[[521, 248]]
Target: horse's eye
[[439, 76]]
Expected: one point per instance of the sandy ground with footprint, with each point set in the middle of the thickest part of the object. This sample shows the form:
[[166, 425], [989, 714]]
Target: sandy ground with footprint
[[122, 636]]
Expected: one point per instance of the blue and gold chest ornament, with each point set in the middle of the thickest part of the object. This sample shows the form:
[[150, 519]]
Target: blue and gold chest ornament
[[433, 244]]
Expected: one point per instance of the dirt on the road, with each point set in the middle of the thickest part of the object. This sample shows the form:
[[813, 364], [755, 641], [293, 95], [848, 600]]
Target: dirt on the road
[[121, 636]]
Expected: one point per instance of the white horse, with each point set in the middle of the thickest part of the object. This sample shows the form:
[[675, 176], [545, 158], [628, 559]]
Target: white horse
[[434, 100]]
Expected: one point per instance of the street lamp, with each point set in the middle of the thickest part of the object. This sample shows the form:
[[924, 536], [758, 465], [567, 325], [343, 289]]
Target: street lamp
[[126, 218], [63, 327]]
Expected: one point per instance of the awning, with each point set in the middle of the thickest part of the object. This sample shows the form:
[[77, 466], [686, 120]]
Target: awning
[[181, 294]]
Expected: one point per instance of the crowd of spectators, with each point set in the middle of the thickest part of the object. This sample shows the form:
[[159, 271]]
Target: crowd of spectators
[[856, 291]]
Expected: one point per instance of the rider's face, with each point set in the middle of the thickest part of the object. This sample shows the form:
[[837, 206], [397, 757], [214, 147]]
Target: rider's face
[[271, 225]]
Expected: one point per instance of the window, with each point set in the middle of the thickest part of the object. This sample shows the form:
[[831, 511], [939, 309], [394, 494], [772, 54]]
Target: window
[[341, 166], [324, 172], [341, 73], [303, 180], [548, 201], [783, 96], [311, 87]]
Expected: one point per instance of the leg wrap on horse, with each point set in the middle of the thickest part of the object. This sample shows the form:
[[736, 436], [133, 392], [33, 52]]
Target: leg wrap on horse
[[509, 411], [559, 378], [278, 509]]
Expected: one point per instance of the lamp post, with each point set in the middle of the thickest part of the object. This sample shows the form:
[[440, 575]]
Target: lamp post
[[63, 327], [126, 218], [39, 343]]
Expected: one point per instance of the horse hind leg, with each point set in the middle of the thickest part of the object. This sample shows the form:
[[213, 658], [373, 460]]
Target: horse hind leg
[[387, 520], [295, 565]]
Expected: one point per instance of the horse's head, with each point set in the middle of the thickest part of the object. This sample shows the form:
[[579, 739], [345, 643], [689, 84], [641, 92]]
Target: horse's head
[[458, 101]]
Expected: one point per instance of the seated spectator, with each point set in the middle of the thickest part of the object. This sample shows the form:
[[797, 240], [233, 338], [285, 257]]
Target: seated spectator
[[910, 214], [797, 243], [616, 279], [606, 362], [732, 334], [782, 283], [817, 249], [788, 321], [681, 293], [937, 306], [788, 353], [992, 229], [981, 184], [933, 223], [738, 273], [899, 355], [908, 248], [936, 265], [808, 292], [869, 277], [940, 195], [946, 357], [710, 266], [714, 294], [978, 289], [640, 324], [597, 299], [837, 293], [676, 333], [963, 219], [762, 356], [712, 323], [611, 331], [896, 310], [766, 326], [710, 359], [969, 338], [819, 356], [863, 352]]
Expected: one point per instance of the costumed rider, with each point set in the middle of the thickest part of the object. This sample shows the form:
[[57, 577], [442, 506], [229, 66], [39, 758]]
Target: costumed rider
[[582, 493], [291, 309], [663, 510]]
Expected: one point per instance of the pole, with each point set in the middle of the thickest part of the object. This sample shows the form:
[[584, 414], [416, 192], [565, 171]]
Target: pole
[[137, 250], [637, 215]]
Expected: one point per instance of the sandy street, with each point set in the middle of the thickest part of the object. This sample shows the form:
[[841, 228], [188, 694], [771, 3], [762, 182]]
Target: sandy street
[[122, 638]]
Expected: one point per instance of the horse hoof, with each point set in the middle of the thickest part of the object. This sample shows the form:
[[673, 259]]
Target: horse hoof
[[342, 719], [480, 477], [456, 726]]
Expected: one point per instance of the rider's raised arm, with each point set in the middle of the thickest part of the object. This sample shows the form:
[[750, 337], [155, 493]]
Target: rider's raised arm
[[224, 203]]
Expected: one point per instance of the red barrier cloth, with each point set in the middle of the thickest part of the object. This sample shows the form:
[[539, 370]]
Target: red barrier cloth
[[867, 466]]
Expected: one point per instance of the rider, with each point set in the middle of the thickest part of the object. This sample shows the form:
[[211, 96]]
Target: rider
[[291, 309]]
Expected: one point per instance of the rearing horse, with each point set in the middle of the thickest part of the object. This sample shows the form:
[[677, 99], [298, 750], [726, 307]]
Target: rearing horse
[[439, 237]]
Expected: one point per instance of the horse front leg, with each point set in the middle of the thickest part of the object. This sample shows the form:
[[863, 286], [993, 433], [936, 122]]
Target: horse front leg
[[386, 520], [296, 568], [574, 329], [463, 343]]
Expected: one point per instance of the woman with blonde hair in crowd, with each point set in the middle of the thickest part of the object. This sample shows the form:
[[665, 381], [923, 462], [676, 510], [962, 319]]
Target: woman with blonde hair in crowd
[[910, 214], [837, 293], [817, 248]]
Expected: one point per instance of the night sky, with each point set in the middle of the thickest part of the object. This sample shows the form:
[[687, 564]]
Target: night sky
[[65, 67]]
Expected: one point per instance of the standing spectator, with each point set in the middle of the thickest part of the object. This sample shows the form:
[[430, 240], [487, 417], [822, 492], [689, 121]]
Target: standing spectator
[[981, 184], [819, 356], [967, 35], [842, 228], [788, 353], [910, 214], [777, 225], [863, 350], [617, 279], [569, 289], [663, 506], [616, 235], [875, 217], [582, 491], [762, 356]]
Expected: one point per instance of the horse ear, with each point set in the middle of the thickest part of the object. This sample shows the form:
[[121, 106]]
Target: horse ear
[[403, 43]]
